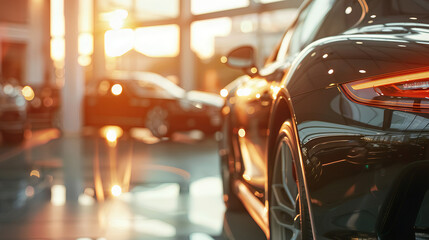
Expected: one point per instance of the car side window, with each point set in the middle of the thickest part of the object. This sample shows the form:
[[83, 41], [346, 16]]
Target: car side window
[[147, 89], [308, 24], [321, 18], [343, 15]]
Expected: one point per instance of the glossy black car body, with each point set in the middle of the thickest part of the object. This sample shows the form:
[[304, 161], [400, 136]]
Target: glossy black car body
[[329, 140], [149, 100]]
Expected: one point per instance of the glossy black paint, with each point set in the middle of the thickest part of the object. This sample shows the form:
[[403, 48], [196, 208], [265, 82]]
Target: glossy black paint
[[364, 166]]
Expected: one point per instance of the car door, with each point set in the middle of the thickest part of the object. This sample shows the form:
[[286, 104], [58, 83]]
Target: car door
[[255, 97]]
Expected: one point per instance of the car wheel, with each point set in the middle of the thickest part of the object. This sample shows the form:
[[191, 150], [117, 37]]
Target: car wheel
[[13, 137], [157, 122], [289, 215]]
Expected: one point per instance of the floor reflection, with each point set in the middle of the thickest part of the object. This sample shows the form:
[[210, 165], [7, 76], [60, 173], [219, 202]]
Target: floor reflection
[[115, 186]]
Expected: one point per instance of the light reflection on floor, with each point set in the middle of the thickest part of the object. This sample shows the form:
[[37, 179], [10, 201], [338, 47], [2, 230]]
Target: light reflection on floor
[[166, 189]]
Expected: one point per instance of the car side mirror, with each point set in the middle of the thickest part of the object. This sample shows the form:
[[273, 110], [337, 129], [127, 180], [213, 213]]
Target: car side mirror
[[243, 58]]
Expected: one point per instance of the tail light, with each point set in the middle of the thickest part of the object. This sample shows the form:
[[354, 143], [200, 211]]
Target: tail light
[[407, 91]]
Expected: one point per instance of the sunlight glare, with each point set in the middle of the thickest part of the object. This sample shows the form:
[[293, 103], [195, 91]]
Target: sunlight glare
[[116, 18], [58, 48], [207, 6], [158, 41], [206, 203], [116, 190], [58, 195], [118, 42], [85, 44], [57, 18], [203, 34]]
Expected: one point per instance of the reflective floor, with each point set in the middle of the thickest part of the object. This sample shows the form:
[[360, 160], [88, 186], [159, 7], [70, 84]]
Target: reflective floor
[[113, 185]]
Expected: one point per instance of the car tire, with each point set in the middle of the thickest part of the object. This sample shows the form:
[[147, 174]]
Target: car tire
[[289, 215], [14, 137], [157, 122]]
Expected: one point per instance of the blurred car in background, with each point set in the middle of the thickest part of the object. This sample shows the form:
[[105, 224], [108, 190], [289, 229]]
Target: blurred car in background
[[13, 112], [44, 105], [145, 99]]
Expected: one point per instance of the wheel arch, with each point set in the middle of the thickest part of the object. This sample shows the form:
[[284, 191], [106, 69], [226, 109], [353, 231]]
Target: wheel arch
[[281, 111]]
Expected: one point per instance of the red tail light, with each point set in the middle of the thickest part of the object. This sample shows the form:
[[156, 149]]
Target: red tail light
[[407, 91]]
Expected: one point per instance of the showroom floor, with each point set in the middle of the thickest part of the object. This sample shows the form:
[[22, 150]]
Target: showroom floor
[[95, 186]]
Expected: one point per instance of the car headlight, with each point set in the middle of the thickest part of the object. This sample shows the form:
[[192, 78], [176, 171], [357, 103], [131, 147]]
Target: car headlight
[[407, 91]]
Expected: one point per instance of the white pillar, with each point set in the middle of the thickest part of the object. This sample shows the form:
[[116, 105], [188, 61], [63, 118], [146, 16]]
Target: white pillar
[[73, 89], [36, 55], [187, 68], [72, 94]]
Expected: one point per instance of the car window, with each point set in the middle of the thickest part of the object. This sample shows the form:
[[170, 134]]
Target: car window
[[321, 18], [161, 82], [343, 15], [148, 89], [308, 24]]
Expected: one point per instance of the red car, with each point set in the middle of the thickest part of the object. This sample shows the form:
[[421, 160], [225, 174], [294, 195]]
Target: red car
[[145, 99]]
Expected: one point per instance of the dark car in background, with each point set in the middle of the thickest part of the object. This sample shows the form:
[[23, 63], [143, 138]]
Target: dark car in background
[[330, 138], [13, 113], [149, 100], [44, 106]]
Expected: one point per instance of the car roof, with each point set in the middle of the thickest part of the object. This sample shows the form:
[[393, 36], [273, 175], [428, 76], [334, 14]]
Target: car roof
[[150, 77]]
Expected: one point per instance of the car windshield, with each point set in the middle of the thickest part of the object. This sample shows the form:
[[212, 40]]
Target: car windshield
[[154, 80], [144, 82]]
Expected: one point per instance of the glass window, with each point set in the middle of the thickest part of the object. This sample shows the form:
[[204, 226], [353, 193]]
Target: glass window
[[268, 1], [110, 5], [118, 42], [158, 41], [147, 89], [147, 10], [145, 81], [308, 24], [278, 20], [343, 15], [204, 33], [208, 6], [321, 18]]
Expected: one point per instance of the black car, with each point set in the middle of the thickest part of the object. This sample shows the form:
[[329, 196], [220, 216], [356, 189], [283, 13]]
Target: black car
[[149, 100], [330, 138]]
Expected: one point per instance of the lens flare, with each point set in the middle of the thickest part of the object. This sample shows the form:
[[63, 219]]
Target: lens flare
[[116, 89], [28, 93], [116, 190]]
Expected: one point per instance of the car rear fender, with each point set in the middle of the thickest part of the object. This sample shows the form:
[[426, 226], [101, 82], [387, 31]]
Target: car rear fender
[[281, 111], [335, 60]]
